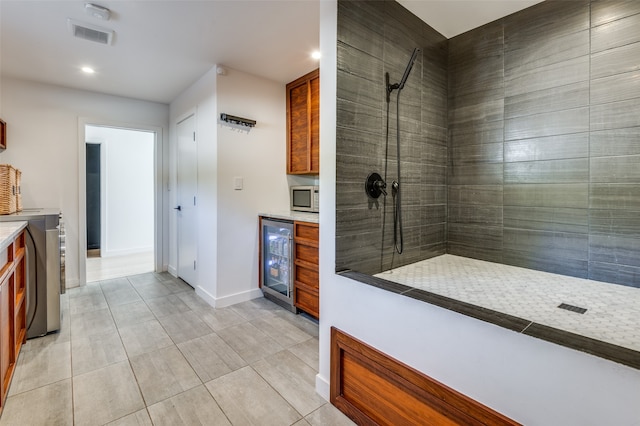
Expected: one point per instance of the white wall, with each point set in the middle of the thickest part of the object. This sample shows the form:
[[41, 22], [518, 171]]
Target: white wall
[[529, 380], [43, 142], [259, 157], [228, 218], [128, 195]]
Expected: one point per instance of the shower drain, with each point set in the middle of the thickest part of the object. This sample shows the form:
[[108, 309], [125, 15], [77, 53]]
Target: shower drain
[[572, 308]]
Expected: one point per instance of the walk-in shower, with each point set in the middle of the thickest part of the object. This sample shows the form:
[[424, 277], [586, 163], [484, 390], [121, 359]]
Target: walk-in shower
[[375, 185]]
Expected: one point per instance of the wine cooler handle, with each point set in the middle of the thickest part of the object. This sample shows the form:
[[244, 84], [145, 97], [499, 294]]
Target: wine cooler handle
[[291, 266]]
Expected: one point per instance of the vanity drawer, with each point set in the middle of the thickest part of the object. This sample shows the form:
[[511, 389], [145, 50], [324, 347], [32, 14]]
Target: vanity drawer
[[307, 276], [306, 231], [308, 300]]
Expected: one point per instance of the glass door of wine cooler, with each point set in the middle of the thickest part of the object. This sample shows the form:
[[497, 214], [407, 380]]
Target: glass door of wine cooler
[[277, 261]]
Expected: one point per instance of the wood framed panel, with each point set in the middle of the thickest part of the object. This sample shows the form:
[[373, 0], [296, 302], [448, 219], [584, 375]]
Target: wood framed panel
[[375, 389]]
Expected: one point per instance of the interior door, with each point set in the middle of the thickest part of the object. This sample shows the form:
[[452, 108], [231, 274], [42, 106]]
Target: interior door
[[187, 183]]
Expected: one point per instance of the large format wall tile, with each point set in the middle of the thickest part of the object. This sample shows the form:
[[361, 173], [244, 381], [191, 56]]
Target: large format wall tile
[[547, 124], [560, 98], [603, 12], [620, 87], [615, 61], [615, 33], [557, 74], [519, 143], [571, 195], [547, 219], [556, 147], [614, 196], [548, 171], [615, 142]]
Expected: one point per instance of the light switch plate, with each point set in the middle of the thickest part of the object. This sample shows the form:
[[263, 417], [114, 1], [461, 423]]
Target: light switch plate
[[238, 182]]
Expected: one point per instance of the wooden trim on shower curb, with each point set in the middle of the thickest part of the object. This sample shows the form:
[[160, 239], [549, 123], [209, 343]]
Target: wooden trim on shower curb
[[372, 388]]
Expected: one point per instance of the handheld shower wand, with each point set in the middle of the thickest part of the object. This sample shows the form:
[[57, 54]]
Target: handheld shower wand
[[398, 238], [400, 86]]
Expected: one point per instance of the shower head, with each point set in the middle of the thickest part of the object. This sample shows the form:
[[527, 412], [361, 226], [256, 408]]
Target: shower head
[[400, 86], [414, 55]]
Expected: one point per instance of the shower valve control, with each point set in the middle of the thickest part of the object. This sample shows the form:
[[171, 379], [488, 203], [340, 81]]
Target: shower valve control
[[375, 185]]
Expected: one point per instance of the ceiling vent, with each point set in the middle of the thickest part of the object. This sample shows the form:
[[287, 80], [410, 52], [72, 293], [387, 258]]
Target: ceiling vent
[[90, 32]]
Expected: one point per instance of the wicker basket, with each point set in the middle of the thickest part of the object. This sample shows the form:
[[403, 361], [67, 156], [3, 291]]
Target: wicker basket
[[18, 190], [8, 191]]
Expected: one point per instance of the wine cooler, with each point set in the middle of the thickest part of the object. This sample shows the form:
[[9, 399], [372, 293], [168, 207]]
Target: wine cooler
[[277, 262]]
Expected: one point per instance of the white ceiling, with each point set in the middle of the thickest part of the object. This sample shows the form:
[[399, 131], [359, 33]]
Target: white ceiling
[[453, 17], [162, 46]]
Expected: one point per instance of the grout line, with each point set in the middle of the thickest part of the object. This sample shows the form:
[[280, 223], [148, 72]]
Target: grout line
[[525, 329]]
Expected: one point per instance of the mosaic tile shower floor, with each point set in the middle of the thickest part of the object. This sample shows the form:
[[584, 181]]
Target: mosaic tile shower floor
[[612, 310]]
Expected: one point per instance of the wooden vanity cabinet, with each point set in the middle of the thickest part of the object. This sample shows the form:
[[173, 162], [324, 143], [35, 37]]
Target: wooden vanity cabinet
[[306, 288], [303, 125], [12, 312]]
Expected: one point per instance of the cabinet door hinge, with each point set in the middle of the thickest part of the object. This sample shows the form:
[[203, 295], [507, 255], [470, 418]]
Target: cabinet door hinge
[[194, 265], [194, 200], [194, 136]]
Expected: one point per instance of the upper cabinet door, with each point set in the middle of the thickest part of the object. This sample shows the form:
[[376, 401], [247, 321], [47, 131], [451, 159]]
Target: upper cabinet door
[[303, 125]]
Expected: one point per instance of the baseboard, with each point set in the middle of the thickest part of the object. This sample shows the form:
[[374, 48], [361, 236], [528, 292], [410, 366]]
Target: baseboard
[[322, 387], [68, 284], [173, 271], [245, 296], [221, 302], [206, 296]]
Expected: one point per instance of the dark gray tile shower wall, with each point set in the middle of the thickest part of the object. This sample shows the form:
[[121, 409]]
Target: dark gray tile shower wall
[[373, 38], [523, 146], [568, 130]]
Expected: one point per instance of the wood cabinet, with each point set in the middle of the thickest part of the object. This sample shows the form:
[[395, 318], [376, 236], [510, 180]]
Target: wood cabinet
[[12, 311], [306, 288], [303, 125]]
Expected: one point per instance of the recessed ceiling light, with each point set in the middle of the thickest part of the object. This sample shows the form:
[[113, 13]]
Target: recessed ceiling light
[[316, 54], [88, 70]]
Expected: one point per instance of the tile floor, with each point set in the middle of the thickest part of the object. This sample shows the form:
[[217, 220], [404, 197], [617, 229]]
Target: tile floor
[[105, 268], [612, 310], [145, 350]]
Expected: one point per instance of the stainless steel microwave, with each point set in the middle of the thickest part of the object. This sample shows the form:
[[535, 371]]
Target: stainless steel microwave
[[305, 199]]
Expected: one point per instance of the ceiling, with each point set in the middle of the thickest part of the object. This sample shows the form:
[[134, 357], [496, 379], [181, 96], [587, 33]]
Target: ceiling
[[161, 47], [453, 17]]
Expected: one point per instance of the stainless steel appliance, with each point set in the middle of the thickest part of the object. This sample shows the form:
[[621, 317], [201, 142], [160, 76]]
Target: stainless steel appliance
[[276, 270], [305, 198], [45, 268]]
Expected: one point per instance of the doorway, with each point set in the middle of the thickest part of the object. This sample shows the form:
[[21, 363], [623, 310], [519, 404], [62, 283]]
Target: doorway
[[120, 202]]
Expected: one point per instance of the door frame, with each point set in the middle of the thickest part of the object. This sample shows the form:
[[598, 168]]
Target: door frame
[[159, 237]]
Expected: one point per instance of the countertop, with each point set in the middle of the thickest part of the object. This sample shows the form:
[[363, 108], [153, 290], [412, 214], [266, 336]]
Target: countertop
[[26, 214], [9, 231], [290, 215]]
